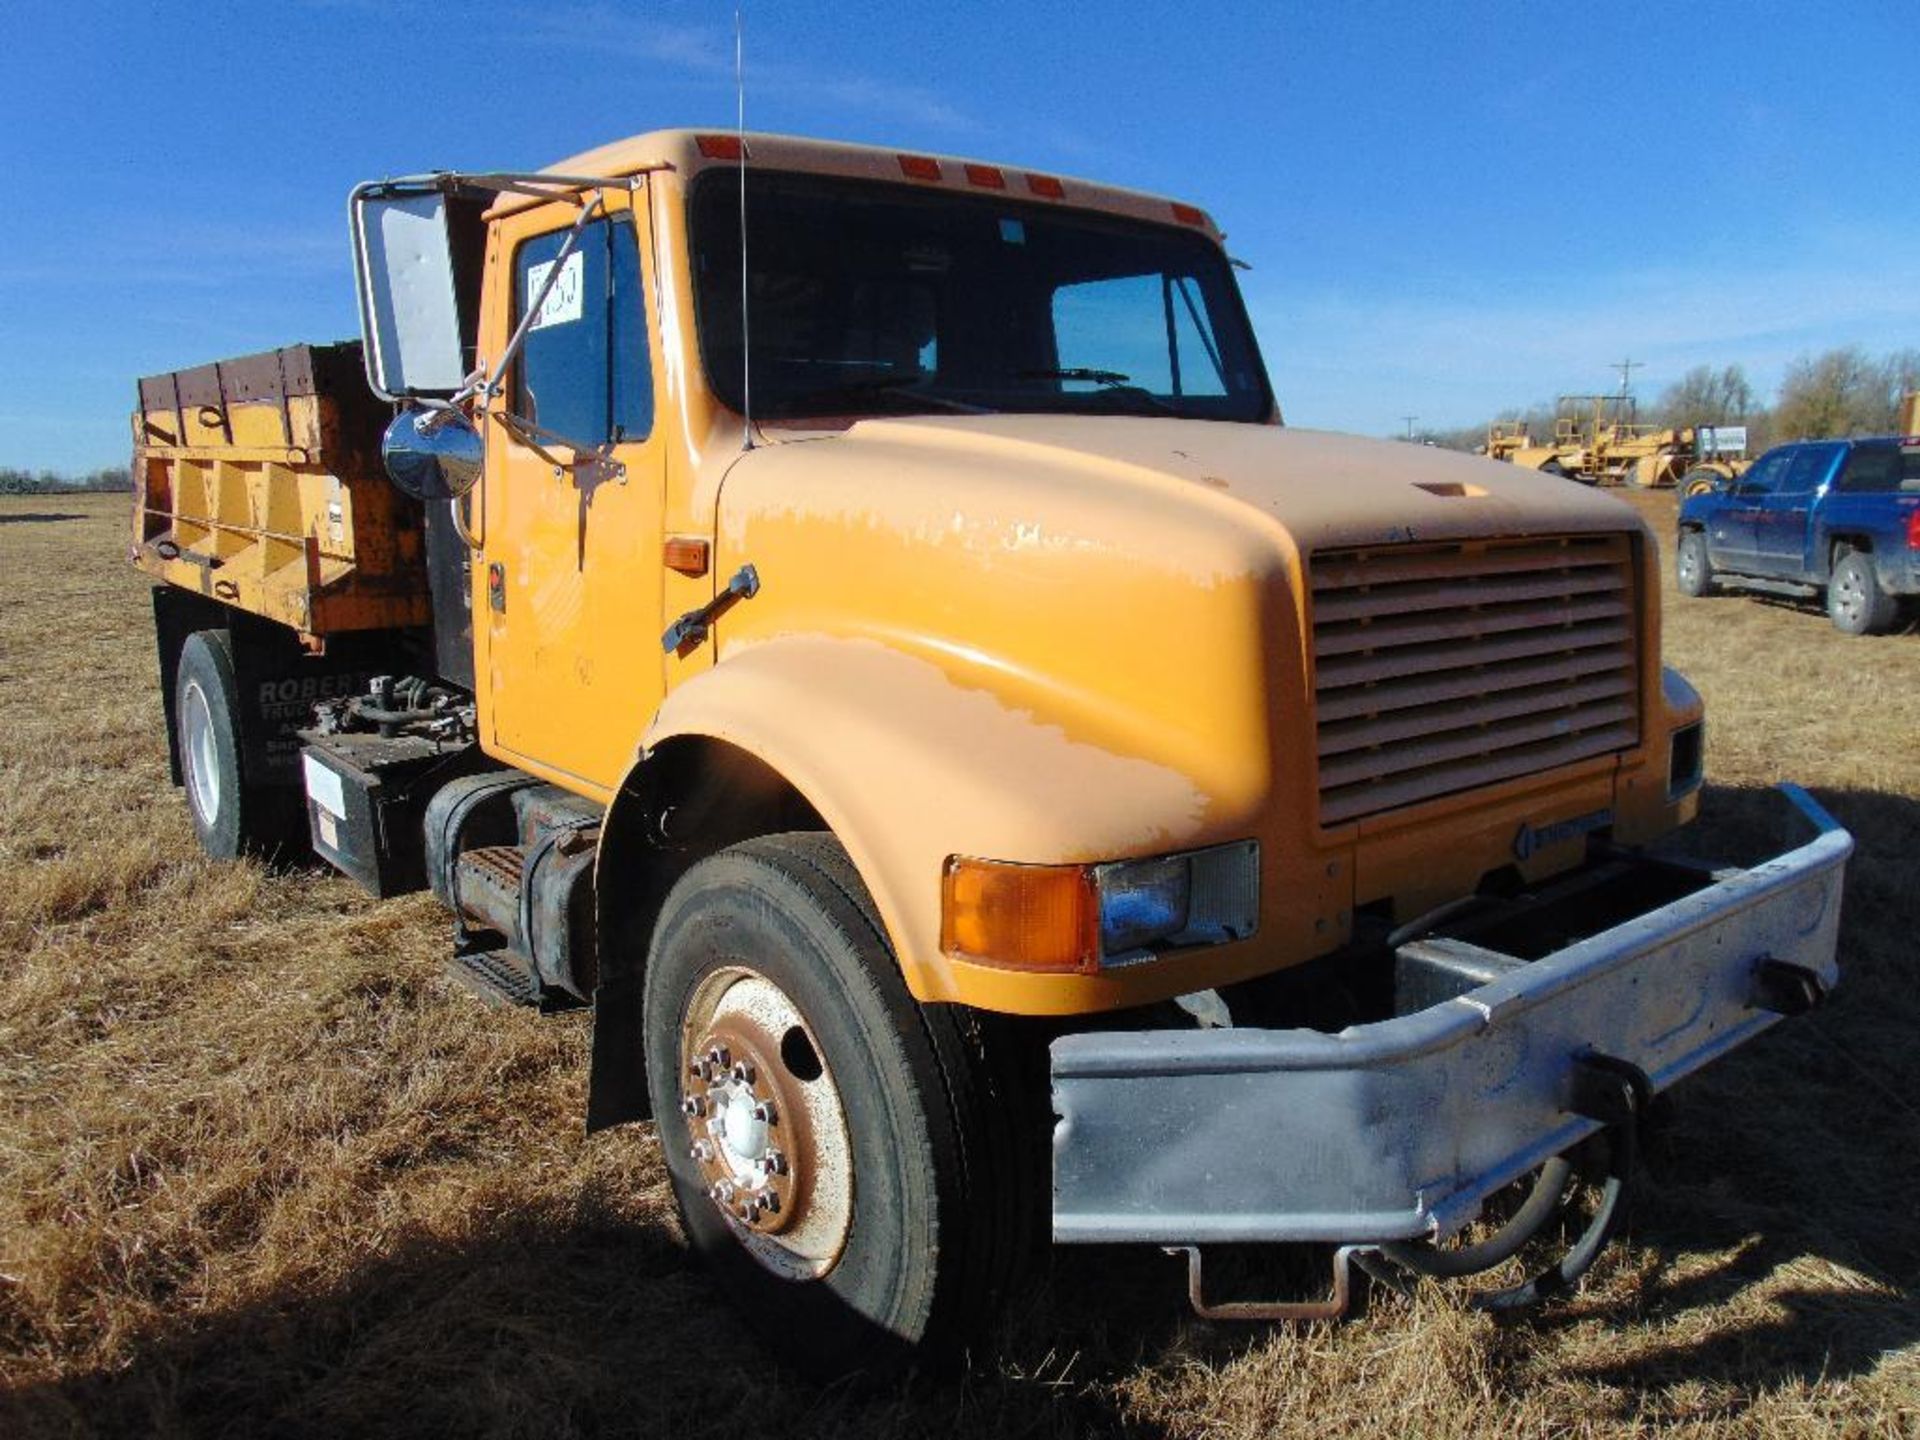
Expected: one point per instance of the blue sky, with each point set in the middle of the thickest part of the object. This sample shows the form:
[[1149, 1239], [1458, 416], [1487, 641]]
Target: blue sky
[[1449, 208]]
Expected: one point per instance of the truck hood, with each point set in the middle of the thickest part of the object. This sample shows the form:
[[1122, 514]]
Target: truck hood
[[1323, 489]]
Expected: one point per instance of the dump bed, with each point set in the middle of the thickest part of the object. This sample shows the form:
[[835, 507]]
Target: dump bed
[[258, 482]]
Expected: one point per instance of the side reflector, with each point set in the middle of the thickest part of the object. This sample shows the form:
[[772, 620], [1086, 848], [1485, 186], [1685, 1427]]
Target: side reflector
[[1028, 917], [1913, 528], [720, 147], [986, 175], [919, 167], [1047, 186], [1189, 214], [687, 554]]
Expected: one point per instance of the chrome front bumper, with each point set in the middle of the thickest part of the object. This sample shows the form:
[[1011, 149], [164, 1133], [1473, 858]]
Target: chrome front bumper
[[1400, 1129]]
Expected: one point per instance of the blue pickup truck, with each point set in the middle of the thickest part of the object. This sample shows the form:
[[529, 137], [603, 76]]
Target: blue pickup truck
[[1839, 516]]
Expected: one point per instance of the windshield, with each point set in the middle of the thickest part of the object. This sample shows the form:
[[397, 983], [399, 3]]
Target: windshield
[[880, 298]]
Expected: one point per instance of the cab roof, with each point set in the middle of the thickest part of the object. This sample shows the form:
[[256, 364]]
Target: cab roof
[[687, 152]]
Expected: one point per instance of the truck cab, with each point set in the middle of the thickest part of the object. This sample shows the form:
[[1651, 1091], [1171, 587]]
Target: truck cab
[[869, 636]]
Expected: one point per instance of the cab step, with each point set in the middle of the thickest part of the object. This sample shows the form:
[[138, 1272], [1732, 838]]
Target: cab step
[[499, 977]]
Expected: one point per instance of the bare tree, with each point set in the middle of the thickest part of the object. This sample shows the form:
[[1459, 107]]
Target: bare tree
[[1842, 392], [1708, 396]]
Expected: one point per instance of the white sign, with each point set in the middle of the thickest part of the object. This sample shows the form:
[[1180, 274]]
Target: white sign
[[1723, 440], [324, 787], [564, 300]]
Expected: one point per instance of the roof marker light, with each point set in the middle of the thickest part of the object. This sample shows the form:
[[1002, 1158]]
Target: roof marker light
[[1046, 185], [1189, 214], [919, 167], [986, 175], [721, 147]]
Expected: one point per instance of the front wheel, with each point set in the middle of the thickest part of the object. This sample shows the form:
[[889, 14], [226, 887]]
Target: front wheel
[[844, 1159], [1855, 602], [1692, 567]]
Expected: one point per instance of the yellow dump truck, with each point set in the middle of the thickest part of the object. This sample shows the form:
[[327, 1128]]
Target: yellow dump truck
[[855, 620]]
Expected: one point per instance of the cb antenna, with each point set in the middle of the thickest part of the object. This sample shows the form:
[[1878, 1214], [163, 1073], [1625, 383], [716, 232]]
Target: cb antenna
[[740, 130]]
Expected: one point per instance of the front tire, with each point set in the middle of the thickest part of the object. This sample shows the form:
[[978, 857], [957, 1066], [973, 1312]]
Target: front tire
[[845, 1159], [1855, 602], [1692, 566]]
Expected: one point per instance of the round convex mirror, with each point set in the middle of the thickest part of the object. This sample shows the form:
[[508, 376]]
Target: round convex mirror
[[432, 454]]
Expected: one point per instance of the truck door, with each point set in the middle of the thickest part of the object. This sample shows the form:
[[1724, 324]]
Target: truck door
[[1731, 528], [567, 604], [1780, 524]]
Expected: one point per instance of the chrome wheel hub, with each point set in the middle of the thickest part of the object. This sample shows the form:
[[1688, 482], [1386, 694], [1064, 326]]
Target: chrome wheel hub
[[766, 1126], [201, 756]]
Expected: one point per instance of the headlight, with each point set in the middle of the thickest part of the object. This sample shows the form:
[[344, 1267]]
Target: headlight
[[1091, 917]]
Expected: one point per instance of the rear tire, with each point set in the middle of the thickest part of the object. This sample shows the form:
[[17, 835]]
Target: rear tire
[[1700, 481], [1692, 566], [1855, 602], [232, 814], [903, 1210]]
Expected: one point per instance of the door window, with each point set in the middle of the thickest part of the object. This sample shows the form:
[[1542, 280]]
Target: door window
[[1764, 478], [1810, 466], [584, 373]]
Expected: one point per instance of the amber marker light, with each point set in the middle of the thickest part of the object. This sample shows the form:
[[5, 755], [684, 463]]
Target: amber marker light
[[686, 555], [988, 176], [1028, 917], [919, 167], [1047, 186], [720, 147], [1189, 214]]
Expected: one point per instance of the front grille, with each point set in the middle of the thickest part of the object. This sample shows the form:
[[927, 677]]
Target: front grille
[[1441, 668]]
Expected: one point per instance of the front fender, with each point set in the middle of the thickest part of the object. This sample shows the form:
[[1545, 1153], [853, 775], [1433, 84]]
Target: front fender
[[908, 767]]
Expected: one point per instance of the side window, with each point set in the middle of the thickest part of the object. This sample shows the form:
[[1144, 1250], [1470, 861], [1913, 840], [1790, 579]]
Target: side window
[[1150, 328], [584, 373], [1810, 466], [1871, 468], [1764, 478]]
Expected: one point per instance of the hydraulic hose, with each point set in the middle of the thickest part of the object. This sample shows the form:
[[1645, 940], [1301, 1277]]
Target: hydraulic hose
[[1622, 1139]]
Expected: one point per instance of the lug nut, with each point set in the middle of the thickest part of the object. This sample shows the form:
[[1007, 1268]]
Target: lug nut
[[765, 1113], [700, 1070], [721, 1192], [773, 1162], [766, 1201], [701, 1152], [719, 1057], [694, 1105], [743, 1073]]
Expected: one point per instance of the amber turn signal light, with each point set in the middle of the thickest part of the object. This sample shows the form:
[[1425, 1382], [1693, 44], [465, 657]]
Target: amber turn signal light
[[687, 554], [1029, 917]]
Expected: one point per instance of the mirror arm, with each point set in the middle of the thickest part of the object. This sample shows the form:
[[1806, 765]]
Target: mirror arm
[[491, 387]]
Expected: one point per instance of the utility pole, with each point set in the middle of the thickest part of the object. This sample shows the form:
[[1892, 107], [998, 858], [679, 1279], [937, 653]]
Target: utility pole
[[1409, 419], [1626, 369]]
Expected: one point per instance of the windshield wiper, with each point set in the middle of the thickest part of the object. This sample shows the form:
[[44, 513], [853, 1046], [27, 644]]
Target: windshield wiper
[[905, 387], [1111, 382]]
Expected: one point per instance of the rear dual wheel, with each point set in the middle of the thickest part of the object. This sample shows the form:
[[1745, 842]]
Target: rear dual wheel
[[852, 1165], [233, 813]]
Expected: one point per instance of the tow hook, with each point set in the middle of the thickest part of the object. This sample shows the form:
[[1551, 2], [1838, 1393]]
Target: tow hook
[[1786, 988], [1332, 1308]]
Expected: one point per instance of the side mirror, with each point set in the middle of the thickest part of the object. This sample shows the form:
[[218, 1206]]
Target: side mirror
[[410, 312], [432, 454]]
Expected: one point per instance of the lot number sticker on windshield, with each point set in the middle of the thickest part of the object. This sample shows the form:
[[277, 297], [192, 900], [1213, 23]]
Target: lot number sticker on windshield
[[563, 301]]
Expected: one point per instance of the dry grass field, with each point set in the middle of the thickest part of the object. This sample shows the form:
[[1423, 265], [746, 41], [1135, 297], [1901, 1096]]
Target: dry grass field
[[264, 1171]]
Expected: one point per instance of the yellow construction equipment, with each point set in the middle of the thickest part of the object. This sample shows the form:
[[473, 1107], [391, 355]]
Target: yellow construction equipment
[[1599, 440]]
